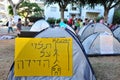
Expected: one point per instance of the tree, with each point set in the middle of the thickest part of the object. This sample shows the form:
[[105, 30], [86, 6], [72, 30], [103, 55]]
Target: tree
[[15, 6], [107, 4], [10, 10], [27, 9], [63, 4]]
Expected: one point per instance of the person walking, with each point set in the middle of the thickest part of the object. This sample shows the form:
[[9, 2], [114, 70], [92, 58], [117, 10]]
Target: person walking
[[19, 25], [10, 25]]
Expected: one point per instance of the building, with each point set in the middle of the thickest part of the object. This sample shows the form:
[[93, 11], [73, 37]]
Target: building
[[93, 13], [53, 11], [3, 10]]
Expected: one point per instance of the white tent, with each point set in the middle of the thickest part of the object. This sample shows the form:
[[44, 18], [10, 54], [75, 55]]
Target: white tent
[[101, 44], [91, 29], [116, 33], [39, 25], [82, 69]]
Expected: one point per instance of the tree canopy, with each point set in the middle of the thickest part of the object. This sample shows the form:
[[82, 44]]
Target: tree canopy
[[15, 6], [28, 9]]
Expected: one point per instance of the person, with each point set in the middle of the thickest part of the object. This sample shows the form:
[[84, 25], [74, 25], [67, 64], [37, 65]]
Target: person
[[86, 21], [71, 21], [81, 23], [19, 25], [62, 24], [10, 25], [77, 24], [113, 26], [102, 20]]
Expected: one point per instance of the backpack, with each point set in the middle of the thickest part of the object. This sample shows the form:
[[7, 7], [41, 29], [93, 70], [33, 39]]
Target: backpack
[[7, 23]]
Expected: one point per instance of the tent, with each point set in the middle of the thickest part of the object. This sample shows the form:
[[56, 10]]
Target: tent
[[82, 69], [101, 44], [39, 25], [92, 28], [116, 33]]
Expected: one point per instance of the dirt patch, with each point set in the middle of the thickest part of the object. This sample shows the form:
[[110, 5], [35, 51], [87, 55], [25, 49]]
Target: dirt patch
[[6, 57], [105, 67]]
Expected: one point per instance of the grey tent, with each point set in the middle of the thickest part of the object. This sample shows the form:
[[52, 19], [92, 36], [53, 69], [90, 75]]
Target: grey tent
[[101, 44], [82, 69], [116, 33], [92, 28]]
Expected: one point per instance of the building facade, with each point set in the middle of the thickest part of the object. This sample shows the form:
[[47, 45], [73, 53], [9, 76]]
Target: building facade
[[53, 11], [3, 10]]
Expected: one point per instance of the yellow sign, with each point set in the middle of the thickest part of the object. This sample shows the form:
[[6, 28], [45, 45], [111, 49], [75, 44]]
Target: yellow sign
[[43, 57]]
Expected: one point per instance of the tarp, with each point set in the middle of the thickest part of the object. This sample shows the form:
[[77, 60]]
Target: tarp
[[101, 44], [82, 69], [4, 37], [91, 29]]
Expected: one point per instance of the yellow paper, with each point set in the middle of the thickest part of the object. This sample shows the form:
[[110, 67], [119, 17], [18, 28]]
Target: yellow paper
[[43, 57]]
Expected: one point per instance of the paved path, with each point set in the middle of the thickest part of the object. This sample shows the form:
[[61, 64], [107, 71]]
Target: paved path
[[4, 30]]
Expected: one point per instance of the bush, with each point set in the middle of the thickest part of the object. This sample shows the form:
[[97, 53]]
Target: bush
[[1, 21], [34, 19], [116, 17], [53, 21], [65, 20], [58, 20], [98, 18]]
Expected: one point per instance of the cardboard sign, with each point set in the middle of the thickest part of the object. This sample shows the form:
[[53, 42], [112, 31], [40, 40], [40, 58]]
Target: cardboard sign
[[43, 57]]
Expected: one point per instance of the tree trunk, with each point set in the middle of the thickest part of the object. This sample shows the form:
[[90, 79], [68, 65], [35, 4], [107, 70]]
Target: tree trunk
[[26, 23], [62, 14], [14, 11], [15, 6], [106, 14]]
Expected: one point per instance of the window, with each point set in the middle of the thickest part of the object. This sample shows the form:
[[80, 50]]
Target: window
[[74, 8]]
